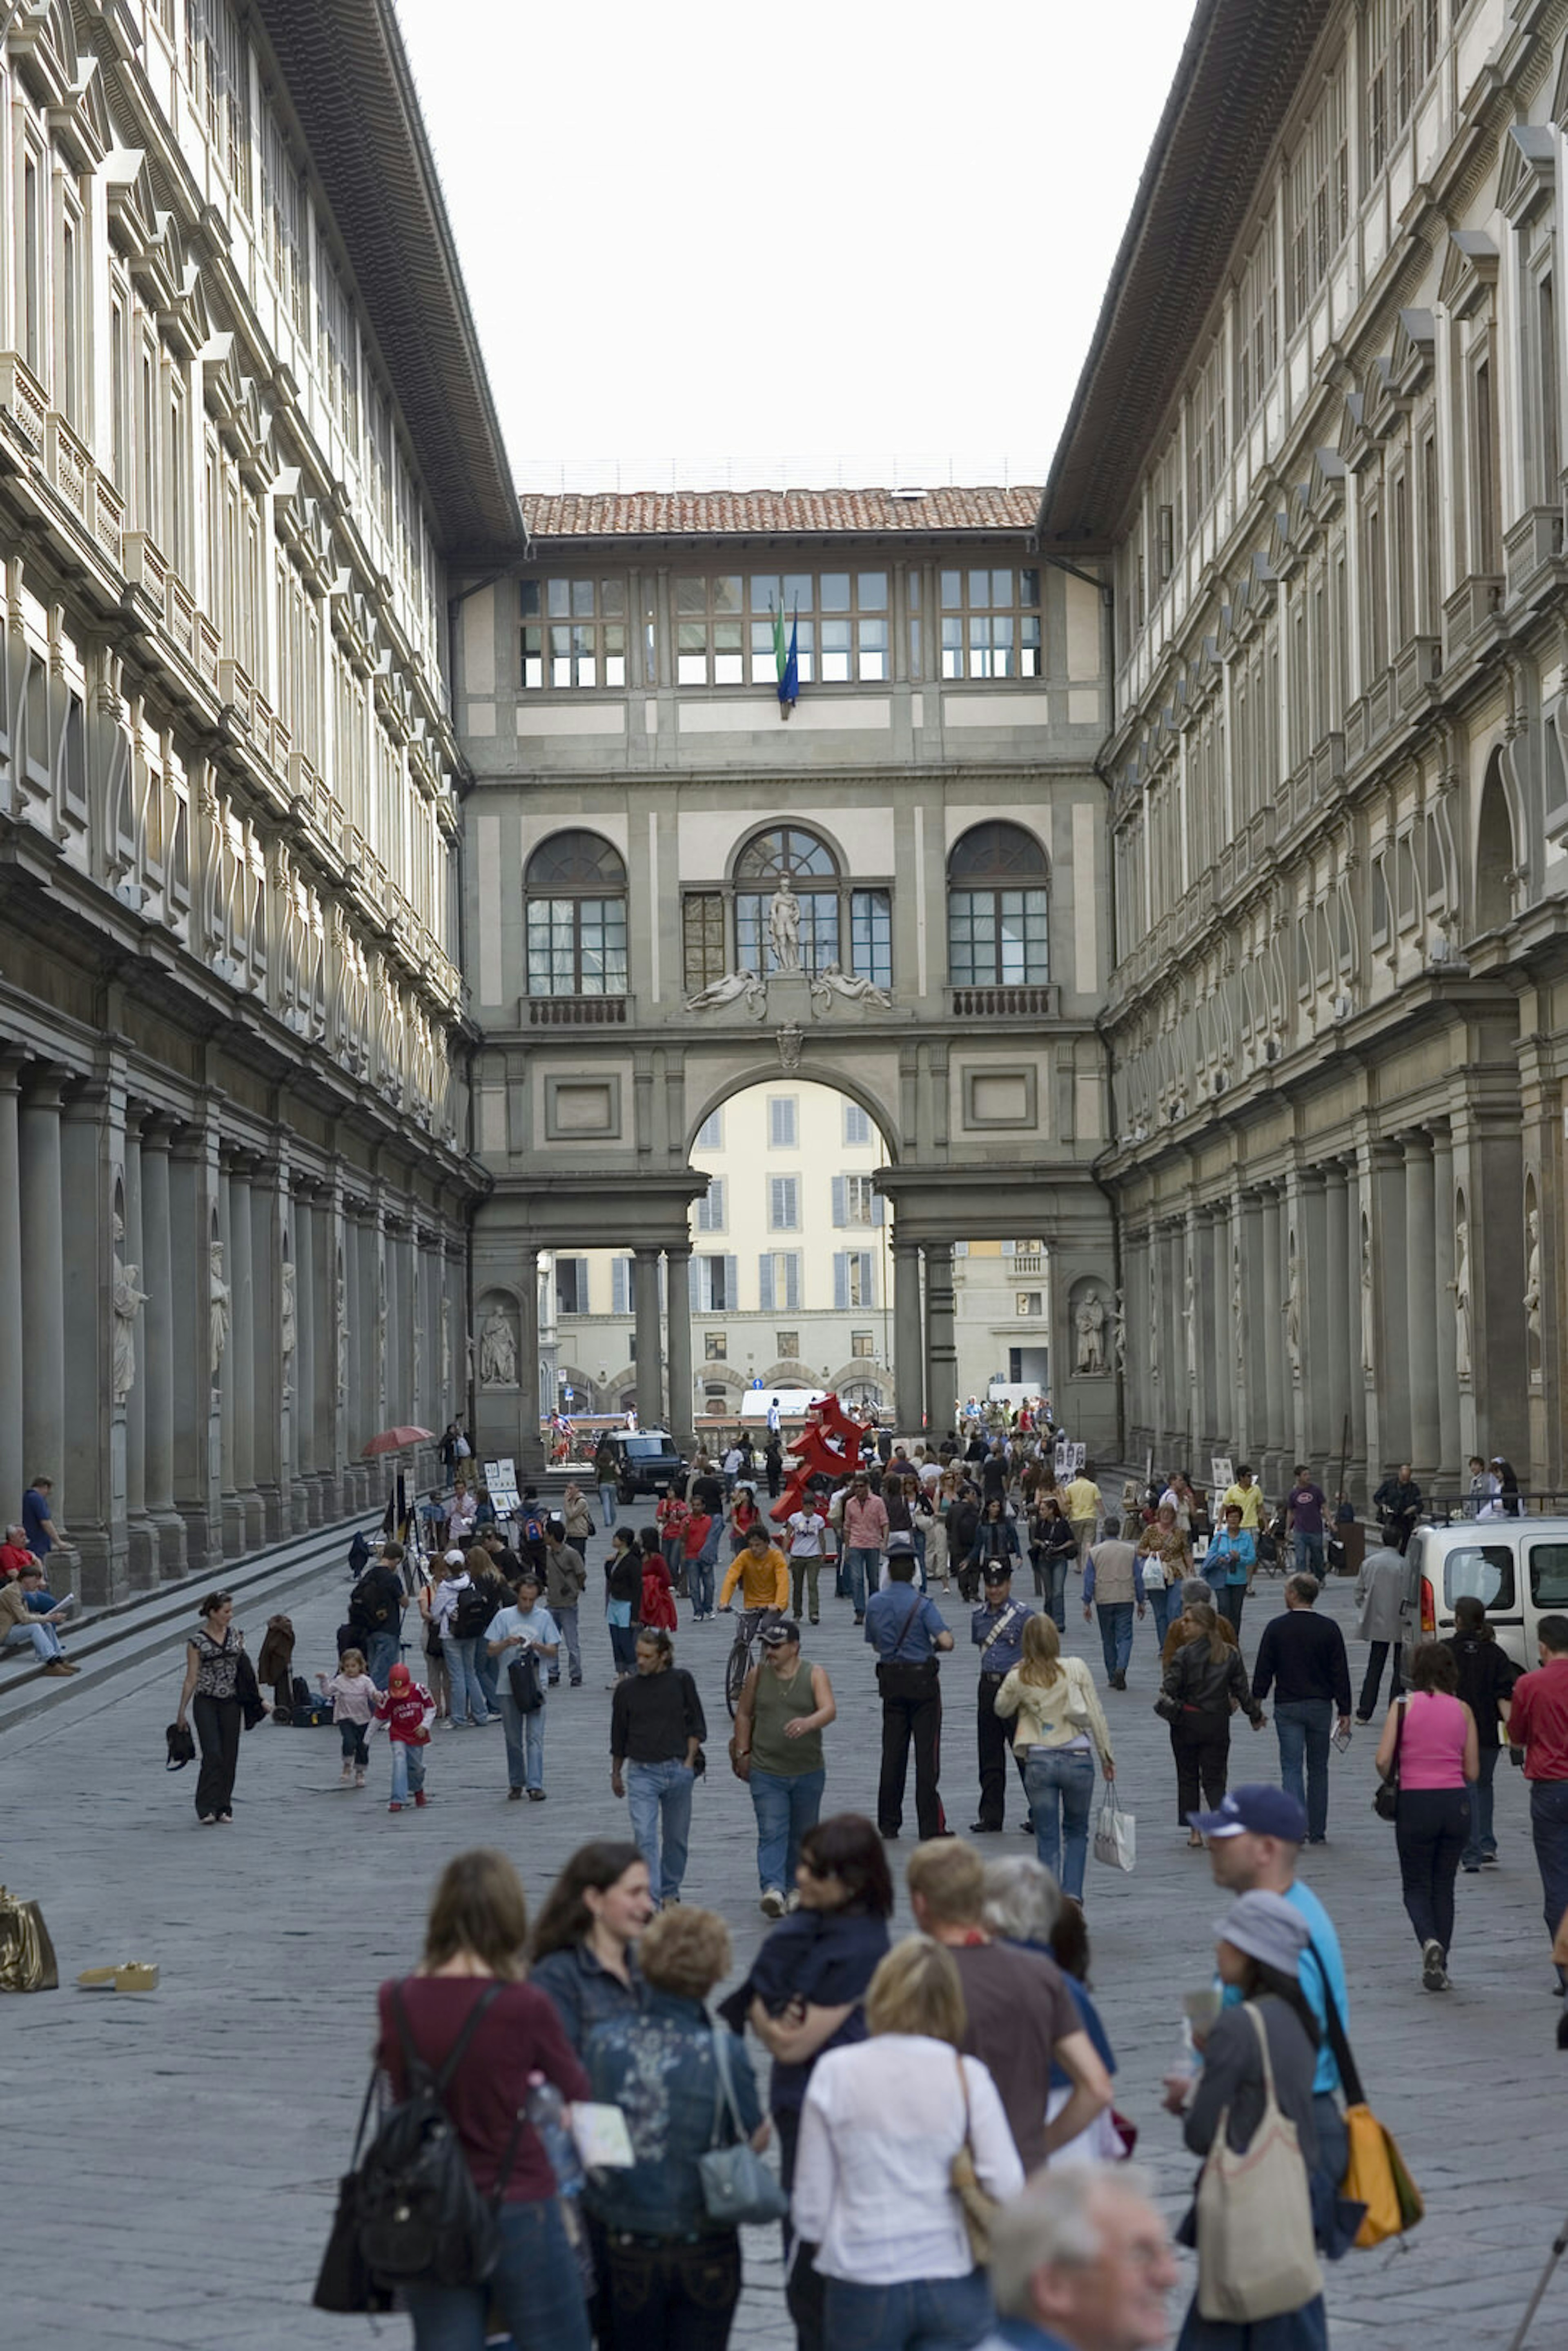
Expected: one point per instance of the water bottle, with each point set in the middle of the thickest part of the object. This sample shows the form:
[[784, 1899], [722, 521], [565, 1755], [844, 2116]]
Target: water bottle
[[546, 2109]]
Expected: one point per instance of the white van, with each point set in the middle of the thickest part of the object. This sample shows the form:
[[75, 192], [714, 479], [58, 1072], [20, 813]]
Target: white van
[[1518, 1568]]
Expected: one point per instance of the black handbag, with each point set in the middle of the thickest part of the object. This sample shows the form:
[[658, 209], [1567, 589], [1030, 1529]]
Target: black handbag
[[525, 1680], [345, 2282], [180, 1742], [1386, 1802], [248, 1690]]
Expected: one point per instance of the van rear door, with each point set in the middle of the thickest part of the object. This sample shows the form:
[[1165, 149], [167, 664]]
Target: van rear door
[[1547, 1578], [1490, 1571]]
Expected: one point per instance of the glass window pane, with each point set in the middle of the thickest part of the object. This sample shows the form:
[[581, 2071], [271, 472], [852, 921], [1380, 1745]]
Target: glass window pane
[[559, 592], [980, 590], [912, 589], [528, 598], [874, 649], [1028, 589], [798, 587], [612, 596], [691, 669], [833, 593], [871, 591], [691, 595], [727, 595], [952, 591], [583, 598], [765, 590]]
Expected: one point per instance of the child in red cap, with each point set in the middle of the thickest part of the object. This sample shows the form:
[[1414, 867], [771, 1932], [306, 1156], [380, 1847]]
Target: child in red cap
[[405, 1706]]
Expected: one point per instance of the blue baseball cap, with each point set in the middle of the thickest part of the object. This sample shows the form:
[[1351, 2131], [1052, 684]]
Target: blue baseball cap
[[1258, 1811]]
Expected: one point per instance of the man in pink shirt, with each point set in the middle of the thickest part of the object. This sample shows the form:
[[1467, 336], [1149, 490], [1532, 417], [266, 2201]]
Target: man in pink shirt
[[865, 1539]]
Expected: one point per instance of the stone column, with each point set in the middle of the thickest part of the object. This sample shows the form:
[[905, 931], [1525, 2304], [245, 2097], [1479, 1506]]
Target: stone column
[[1199, 1242], [141, 1535], [1420, 1305], [243, 1522], [93, 1459], [908, 1352], [1313, 1431], [1389, 1414], [1249, 1380], [304, 1502], [268, 1199], [15, 1469], [678, 1319], [1272, 1364], [1217, 1305], [645, 1308], [530, 1444], [42, 1288], [156, 1370], [1451, 1470], [1336, 1321], [1357, 1193], [196, 1220], [351, 1360], [941, 1349]]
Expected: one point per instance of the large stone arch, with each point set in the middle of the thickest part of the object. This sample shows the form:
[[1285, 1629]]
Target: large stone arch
[[845, 1077]]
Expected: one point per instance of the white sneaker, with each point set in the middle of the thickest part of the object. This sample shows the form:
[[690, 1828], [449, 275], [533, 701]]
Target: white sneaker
[[792, 1899], [772, 1904]]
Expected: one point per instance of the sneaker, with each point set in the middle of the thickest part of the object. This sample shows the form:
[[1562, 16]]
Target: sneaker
[[577, 1681], [514, 1795], [793, 1900], [59, 1671], [772, 1903], [358, 1778], [536, 1795], [348, 1775], [1119, 1681], [225, 1820], [394, 1806], [210, 1820], [486, 1720], [420, 1800], [1434, 1973], [1488, 1860]]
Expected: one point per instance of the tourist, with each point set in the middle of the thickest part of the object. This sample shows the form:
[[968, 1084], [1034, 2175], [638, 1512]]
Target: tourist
[[673, 1513], [761, 1573], [996, 1536], [1510, 1505], [1304, 1506], [1083, 1502], [776, 1747], [1020, 2015], [460, 1613], [879, 2127], [863, 1526], [623, 1593], [807, 1528], [461, 1512], [1399, 1500], [996, 1629], [23, 1625], [1023, 1907], [42, 1528], [1246, 1496], [1186, 1502], [1053, 1549], [1429, 1745], [1060, 1731], [1165, 1563], [656, 1731], [425, 1597], [353, 1695], [1203, 1686], [700, 1555], [211, 1691], [1231, 1563], [657, 1606], [1261, 1938], [938, 1552], [524, 1625], [607, 1478], [1180, 1629], [577, 1517], [1380, 1597], [1111, 1591], [1538, 1728], [1081, 2261], [14, 1555], [1301, 1659], [490, 1592], [406, 1708], [773, 1463], [906, 1631], [469, 1977], [741, 1515], [566, 1578], [1486, 1676], [584, 1945], [671, 2273], [375, 1612]]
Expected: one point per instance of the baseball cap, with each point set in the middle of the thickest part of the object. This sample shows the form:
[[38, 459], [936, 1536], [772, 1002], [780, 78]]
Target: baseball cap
[[779, 1634], [1256, 1811], [454, 1559], [1267, 1927]]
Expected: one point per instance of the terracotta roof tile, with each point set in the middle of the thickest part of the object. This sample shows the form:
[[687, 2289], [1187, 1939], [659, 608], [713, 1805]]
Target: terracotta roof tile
[[710, 514]]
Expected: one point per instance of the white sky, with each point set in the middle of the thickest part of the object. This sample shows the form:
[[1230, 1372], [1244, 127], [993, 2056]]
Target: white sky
[[713, 243]]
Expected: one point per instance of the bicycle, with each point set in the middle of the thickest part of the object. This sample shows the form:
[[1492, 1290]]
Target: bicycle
[[740, 1660]]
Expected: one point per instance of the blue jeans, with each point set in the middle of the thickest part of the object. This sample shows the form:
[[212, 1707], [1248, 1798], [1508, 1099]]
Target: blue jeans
[[380, 1656], [921, 2315], [45, 1641], [1549, 1834], [462, 1663], [864, 1565], [1164, 1607], [1308, 1553], [1053, 1568], [566, 1617], [1059, 1784], [535, 2286], [1304, 1727], [1115, 1633], [523, 1732], [699, 1577], [488, 1671], [1481, 1840], [659, 1796], [786, 1804], [609, 1504], [408, 1770]]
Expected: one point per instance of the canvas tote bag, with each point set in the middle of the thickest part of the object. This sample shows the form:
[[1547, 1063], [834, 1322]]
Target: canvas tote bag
[[1256, 2258]]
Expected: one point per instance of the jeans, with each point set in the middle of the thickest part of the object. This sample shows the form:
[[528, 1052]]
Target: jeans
[[786, 1804], [525, 1737], [1115, 1633], [609, 1504], [488, 1670], [1431, 1830], [1375, 1654], [659, 1796], [671, 2296], [623, 1647], [353, 1737], [1304, 1727], [380, 1656], [219, 1727], [408, 1770], [1481, 1840], [1164, 1607], [1054, 1565], [1228, 1599], [463, 1670], [804, 1576], [672, 1552], [1059, 1784], [566, 1618], [864, 1565], [45, 1641], [1549, 1834], [534, 2286], [1307, 1550], [699, 1574], [921, 2315]]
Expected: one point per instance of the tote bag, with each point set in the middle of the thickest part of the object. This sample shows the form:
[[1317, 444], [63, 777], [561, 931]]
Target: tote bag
[[1115, 1833], [1256, 2258]]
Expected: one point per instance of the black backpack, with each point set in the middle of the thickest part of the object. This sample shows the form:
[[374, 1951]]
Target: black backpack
[[417, 2213], [371, 1603], [474, 1611]]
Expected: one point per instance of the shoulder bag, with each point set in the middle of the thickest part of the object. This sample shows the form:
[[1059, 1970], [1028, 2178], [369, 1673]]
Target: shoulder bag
[[1256, 2258], [978, 2206], [738, 2188], [27, 1961], [1375, 2176], [524, 1679], [1115, 1833], [1385, 1800]]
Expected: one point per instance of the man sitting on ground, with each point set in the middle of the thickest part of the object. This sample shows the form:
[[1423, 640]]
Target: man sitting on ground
[[20, 1624]]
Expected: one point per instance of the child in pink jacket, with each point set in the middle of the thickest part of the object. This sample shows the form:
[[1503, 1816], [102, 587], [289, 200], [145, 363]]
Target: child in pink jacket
[[405, 1706]]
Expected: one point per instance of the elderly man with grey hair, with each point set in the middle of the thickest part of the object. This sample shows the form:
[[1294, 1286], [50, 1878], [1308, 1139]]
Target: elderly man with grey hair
[[1081, 2262], [1194, 1589], [1023, 1904]]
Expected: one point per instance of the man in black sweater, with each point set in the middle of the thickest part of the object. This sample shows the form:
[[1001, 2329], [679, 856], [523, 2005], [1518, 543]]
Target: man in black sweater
[[1302, 1657]]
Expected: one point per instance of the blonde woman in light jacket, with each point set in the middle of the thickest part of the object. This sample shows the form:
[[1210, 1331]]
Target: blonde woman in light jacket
[[1060, 1731]]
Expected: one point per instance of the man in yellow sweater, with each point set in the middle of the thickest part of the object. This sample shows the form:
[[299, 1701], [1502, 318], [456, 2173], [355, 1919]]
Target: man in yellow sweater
[[762, 1571], [1084, 1505]]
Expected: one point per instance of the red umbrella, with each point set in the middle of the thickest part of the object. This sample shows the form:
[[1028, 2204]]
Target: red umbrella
[[392, 1440]]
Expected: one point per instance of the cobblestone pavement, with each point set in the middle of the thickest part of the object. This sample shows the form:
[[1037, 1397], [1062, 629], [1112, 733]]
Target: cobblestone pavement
[[172, 2158]]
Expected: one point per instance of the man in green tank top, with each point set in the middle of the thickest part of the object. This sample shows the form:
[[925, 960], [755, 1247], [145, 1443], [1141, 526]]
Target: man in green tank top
[[784, 1707]]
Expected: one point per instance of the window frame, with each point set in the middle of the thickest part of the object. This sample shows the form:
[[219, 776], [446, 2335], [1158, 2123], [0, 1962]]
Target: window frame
[[967, 892], [594, 609], [585, 910], [967, 619], [846, 919]]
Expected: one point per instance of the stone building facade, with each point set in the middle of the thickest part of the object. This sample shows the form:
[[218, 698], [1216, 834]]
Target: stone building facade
[[1317, 452], [675, 893], [233, 1174]]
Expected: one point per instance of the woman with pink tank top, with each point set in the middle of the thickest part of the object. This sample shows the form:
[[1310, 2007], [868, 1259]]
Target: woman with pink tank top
[[1433, 1734]]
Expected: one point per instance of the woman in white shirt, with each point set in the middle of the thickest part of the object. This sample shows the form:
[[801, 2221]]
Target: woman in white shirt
[[1060, 1732], [874, 2205]]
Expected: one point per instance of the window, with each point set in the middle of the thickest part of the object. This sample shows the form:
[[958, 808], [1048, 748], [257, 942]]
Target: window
[[781, 1122], [830, 915], [1317, 199], [857, 1124], [787, 1345], [863, 1344], [1549, 1575], [1431, 539], [710, 1207], [1028, 1303], [1206, 443], [32, 272], [710, 1133], [1257, 338], [1376, 580], [1485, 1572], [996, 899], [1400, 42], [856, 1200], [779, 1284], [337, 349], [1545, 437], [574, 633], [283, 220], [725, 628], [71, 322], [1485, 534], [572, 1285], [854, 1278], [714, 1285], [1379, 902], [702, 936], [784, 1203], [576, 886], [990, 624], [710, 632], [217, 75], [715, 1346]]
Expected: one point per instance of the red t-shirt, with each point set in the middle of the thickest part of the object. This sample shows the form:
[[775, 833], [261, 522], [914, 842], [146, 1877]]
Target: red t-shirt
[[1538, 1721], [521, 2034], [405, 1716], [14, 1558]]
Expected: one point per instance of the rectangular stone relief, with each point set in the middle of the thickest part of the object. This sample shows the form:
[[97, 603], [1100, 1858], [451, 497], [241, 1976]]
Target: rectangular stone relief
[[581, 1106], [994, 1098]]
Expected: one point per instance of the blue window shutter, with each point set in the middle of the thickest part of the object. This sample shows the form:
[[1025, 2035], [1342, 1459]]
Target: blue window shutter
[[840, 1279], [715, 1194], [765, 1281], [878, 1208], [694, 1282], [620, 1268], [868, 1277], [840, 1200], [792, 1281], [731, 1284]]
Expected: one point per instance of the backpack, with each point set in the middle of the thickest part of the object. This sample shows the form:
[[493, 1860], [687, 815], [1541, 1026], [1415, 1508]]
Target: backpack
[[472, 1613], [370, 1604], [533, 1528]]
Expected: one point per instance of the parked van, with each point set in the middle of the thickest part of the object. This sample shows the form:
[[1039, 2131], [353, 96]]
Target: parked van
[[1518, 1568]]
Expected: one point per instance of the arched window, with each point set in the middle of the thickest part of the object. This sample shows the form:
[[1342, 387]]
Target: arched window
[[997, 905], [851, 927], [576, 888]]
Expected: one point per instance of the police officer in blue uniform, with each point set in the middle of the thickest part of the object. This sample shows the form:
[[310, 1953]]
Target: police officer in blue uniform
[[996, 1628]]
